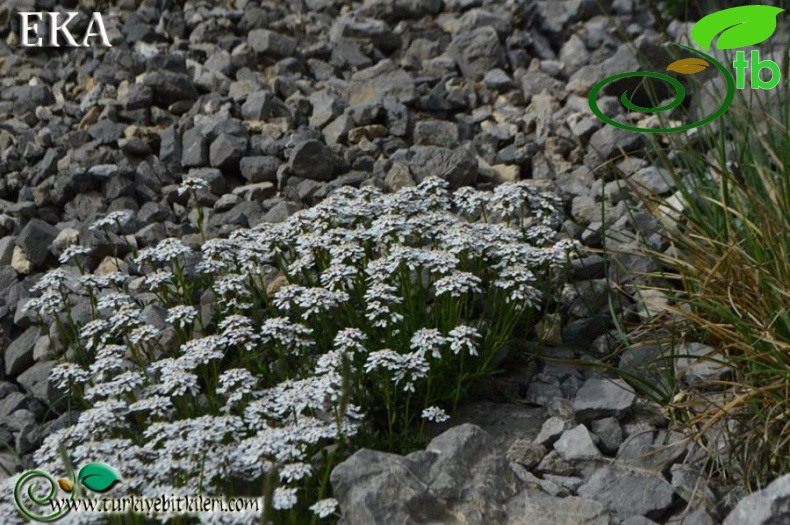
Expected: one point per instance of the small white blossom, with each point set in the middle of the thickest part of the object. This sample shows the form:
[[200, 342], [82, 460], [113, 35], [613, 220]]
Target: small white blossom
[[325, 507], [72, 252], [284, 498], [435, 414], [181, 316], [191, 183], [463, 336]]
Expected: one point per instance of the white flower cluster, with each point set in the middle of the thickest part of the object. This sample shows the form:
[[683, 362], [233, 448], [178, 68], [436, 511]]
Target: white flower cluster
[[380, 287]]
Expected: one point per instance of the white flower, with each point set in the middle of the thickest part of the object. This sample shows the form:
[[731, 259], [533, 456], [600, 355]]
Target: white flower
[[295, 472], [339, 276], [144, 334], [379, 300], [72, 252], [463, 336], [181, 316], [168, 250], [458, 284], [237, 330], [350, 340], [200, 352], [50, 303], [192, 183], [64, 374], [284, 498], [112, 220], [470, 201], [157, 279], [310, 301], [325, 507], [158, 406], [235, 383], [174, 379], [428, 340], [516, 281], [435, 414], [294, 337], [232, 292]]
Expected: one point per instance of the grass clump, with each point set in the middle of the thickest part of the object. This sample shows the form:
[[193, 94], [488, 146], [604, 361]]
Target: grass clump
[[728, 275], [253, 366]]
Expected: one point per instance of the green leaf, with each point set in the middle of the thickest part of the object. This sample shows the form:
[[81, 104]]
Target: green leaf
[[739, 27], [98, 477]]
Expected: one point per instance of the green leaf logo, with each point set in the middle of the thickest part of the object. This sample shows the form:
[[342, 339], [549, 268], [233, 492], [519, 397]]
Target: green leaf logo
[[98, 477], [739, 27]]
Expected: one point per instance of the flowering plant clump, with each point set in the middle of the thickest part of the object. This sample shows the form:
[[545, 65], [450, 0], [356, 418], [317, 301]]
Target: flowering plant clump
[[355, 321]]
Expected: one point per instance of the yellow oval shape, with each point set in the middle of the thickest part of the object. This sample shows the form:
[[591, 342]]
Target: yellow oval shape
[[66, 484], [688, 66]]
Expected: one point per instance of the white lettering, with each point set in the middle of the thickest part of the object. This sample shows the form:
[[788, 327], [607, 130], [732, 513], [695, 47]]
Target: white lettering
[[102, 32], [27, 27], [55, 28]]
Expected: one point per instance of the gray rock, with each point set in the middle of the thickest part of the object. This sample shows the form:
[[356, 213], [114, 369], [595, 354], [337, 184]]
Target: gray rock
[[637, 520], [526, 453], [692, 485], [216, 182], [281, 211], [458, 478], [106, 131], [354, 27], [552, 429], [610, 434], [19, 354], [7, 249], [577, 444], [378, 82], [259, 169], [35, 381], [653, 179], [397, 116], [600, 398], [270, 43], [36, 238], [554, 464], [153, 212], [477, 52], [652, 451], [436, 133], [533, 507], [585, 298], [9, 462], [326, 107], [498, 80], [312, 159], [226, 151], [543, 392], [375, 487], [151, 235], [652, 363], [768, 506], [194, 152], [698, 517], [12, 402], [607, 143], [456, 166], [700, 365], [629, 492], [259, 106], [134, 146], [170, 86]]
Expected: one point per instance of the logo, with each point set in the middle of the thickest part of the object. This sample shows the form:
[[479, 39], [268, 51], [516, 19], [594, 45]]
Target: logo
[[29, 22], [736, 27], [96, 477]]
